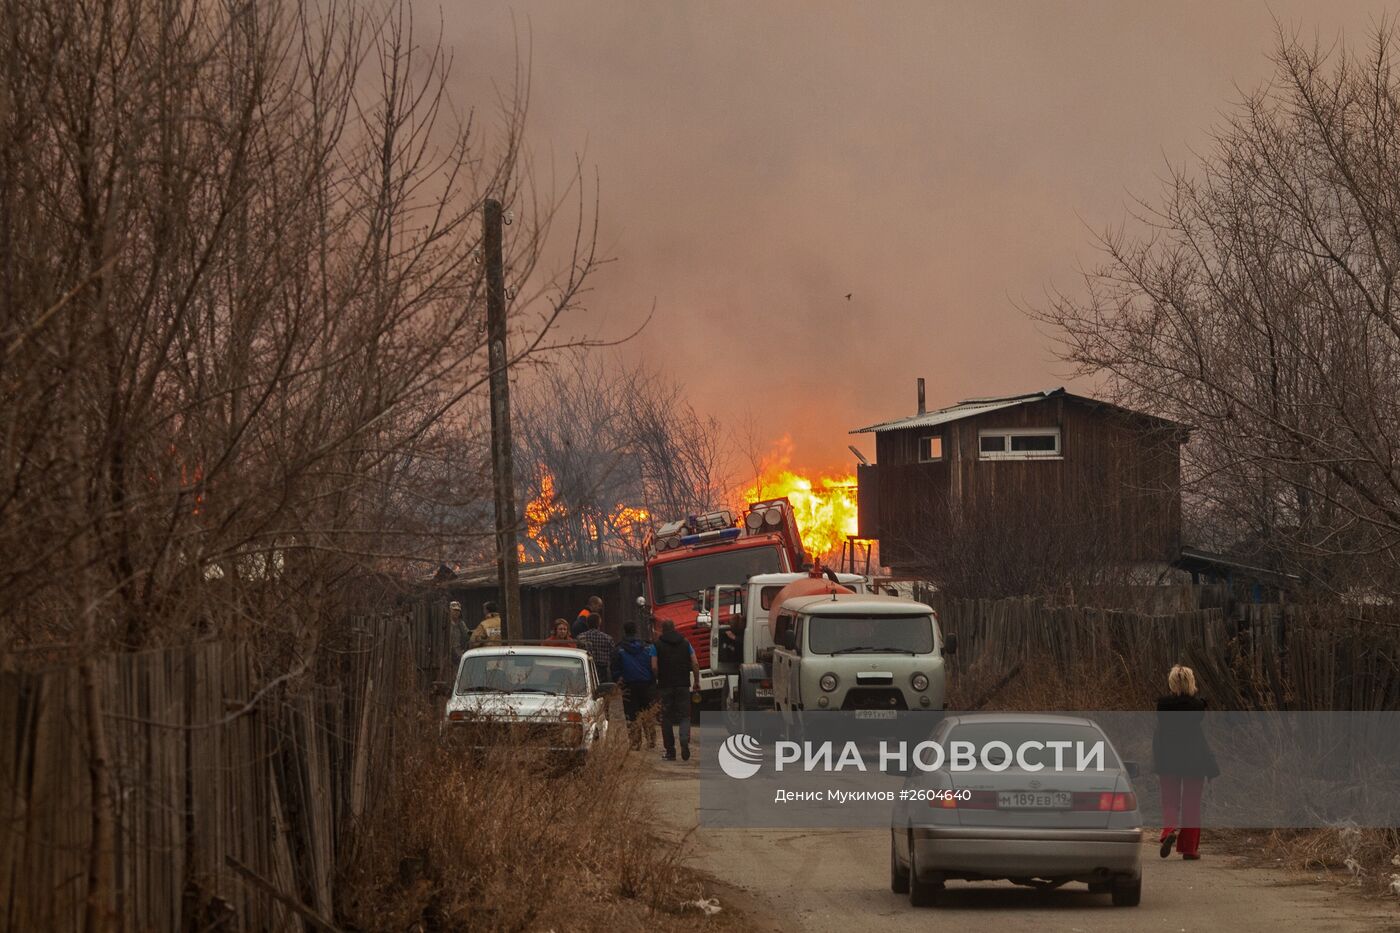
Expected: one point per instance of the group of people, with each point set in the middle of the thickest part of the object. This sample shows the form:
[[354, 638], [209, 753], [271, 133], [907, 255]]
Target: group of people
[[487, 631], [656, 677]]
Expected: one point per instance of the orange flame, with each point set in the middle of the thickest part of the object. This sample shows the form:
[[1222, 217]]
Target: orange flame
[[545, 512], [823, 504]]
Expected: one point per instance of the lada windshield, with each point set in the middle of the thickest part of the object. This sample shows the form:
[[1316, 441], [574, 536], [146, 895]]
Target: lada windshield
[[523, 673]]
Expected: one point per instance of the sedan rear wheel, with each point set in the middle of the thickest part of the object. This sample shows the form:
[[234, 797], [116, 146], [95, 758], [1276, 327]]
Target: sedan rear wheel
[[1127, 892], [921, 893], [899, 877]]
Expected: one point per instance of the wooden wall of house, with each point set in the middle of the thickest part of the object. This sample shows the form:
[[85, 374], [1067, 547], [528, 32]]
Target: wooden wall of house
[[1118, 474]]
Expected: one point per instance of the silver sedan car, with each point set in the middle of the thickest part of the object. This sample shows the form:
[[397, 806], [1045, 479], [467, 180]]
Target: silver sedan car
[[1022, 809]]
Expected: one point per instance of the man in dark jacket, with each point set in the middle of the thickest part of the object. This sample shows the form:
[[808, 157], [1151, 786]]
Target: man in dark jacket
[[677, 673], [632, 669], [588, 616]]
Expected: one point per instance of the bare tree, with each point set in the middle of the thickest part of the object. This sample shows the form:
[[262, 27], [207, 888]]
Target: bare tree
[[241, 321], [1260, 306], [611, 449]]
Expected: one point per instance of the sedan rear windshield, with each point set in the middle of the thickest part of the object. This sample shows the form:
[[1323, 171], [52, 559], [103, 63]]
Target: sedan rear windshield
[[523, 673], [1016, 734], [674, 580], [911, 634]]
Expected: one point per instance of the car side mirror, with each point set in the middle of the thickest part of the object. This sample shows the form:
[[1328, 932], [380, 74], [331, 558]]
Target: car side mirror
[[603, 690], [950, 643], [1132, 768], [787, 640], [642, 601]]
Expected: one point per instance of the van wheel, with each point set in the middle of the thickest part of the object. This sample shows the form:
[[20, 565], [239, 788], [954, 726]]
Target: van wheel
[[899, 877], [1127, 893], [921, 893]]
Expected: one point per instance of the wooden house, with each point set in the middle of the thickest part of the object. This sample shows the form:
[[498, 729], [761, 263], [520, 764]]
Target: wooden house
[[1034, 459]]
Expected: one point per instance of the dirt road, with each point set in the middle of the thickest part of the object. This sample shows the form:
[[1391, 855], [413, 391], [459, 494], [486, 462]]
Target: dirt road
[[838, 881]]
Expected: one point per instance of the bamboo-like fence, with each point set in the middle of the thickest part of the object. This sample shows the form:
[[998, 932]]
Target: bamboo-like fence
[[1296, 657], [238, 789], [235, 789]]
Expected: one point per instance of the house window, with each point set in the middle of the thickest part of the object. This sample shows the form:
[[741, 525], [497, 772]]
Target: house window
[[1019, 444], [931, 448]]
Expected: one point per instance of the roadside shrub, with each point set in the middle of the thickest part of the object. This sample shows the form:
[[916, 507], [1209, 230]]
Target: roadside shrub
[[507, 839]]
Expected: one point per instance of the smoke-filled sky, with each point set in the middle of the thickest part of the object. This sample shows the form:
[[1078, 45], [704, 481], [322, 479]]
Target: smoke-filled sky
[[943, 164]]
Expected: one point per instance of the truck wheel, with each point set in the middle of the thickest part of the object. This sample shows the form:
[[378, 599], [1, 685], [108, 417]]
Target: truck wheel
[[921, 893], [899, 877], [1127, 892]]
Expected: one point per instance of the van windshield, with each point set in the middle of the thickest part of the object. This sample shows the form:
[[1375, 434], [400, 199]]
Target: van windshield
[[911, 634]]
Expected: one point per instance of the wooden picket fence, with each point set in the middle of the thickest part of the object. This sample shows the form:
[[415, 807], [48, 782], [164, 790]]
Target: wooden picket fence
[[1271, 656], [235, 790]]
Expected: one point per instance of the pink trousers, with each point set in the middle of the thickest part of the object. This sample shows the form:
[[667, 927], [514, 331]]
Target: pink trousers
[[1181, 812]]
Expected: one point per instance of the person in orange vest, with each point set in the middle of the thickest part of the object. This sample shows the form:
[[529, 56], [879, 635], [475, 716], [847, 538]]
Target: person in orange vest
[[584, 622]]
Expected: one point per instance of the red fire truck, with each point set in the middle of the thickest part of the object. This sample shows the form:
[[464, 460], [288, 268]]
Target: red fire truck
[[688, 559]]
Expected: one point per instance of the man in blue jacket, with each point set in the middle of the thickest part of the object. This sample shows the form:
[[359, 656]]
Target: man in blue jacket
[[632, 668]]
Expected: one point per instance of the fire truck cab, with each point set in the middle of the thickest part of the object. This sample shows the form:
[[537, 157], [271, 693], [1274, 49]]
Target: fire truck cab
[[687, 560]]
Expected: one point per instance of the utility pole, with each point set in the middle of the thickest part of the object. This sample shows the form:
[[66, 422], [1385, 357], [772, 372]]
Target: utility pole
[[507, 554]]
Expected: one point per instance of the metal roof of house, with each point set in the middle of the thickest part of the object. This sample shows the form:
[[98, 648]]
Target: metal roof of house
[[567, 573], [1191, 558], [964, 409], [981, 406]]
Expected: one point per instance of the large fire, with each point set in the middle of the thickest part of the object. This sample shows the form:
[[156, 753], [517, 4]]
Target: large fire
[[823, 504], [559, 533]]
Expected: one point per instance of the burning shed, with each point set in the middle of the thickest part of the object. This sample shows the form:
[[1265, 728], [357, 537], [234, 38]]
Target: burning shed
[[553, 591]]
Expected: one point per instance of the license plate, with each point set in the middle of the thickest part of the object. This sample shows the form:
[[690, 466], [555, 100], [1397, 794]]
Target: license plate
[[762, 692], [1032, 800], [875, 714]]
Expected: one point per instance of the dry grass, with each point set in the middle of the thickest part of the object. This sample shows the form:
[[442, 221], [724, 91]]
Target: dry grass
[[507, 840], [1367, 860]]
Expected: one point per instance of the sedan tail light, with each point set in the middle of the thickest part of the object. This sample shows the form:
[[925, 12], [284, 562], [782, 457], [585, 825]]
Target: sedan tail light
[[1105, 802], [456, 716]]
